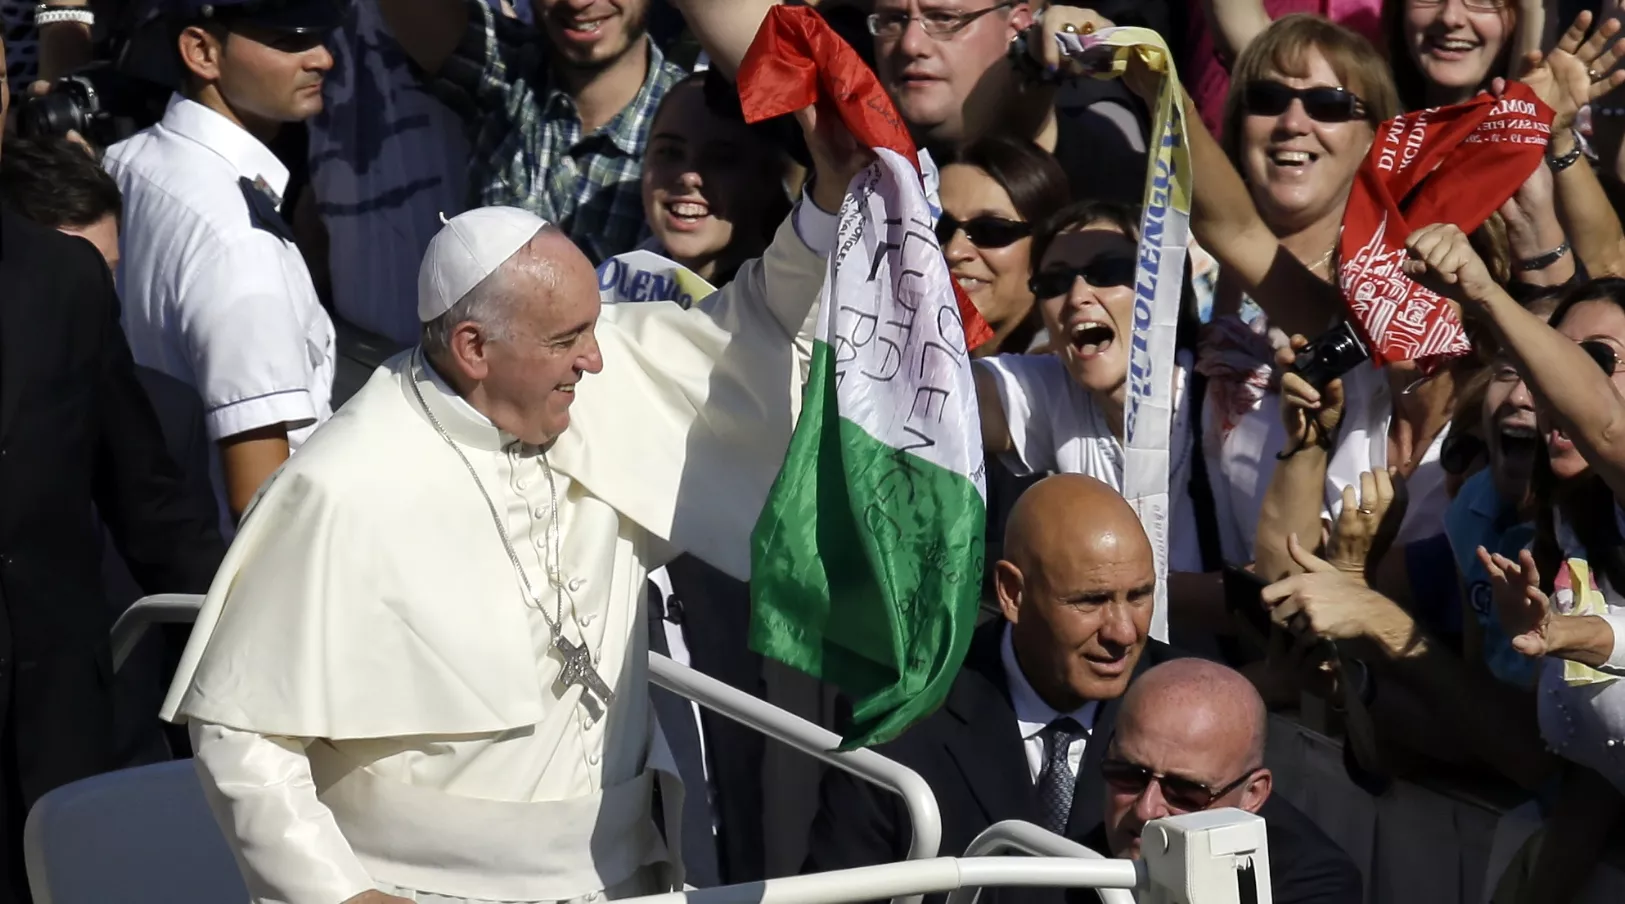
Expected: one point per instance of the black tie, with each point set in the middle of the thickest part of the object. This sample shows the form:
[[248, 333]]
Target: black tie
[[1056, 781], [676, 714]]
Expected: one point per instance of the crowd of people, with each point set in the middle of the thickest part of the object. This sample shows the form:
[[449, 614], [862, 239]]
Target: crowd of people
[[257, 344]]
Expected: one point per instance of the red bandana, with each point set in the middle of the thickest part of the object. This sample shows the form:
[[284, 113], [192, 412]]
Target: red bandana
[[1447, 165], [796, 60]]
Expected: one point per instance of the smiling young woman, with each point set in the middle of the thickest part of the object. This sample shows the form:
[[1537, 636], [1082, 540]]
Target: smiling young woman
[[994, 193]]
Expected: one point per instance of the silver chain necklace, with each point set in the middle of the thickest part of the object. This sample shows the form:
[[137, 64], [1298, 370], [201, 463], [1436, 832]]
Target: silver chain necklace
[[578, 668]]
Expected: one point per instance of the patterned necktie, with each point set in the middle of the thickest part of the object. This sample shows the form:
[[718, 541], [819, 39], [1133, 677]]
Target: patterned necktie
[[1056, 781]]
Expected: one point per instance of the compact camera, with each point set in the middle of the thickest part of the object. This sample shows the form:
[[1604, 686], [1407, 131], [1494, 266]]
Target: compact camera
[[1330, 355]]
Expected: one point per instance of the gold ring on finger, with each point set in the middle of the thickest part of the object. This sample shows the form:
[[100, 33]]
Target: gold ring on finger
[[1366, 511], [1594, 75], [1071, 29]]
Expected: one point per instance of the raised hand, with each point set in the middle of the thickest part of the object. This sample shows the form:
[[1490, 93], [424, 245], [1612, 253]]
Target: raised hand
[[1062, 20], [1443, 260], [1524, 610], [1578, 70], [837, 156], [1358, 524]]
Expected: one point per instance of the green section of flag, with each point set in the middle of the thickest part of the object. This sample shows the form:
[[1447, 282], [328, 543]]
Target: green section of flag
[[866, 567]]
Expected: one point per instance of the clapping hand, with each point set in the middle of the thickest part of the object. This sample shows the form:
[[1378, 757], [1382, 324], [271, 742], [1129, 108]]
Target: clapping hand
[[1524, 610]]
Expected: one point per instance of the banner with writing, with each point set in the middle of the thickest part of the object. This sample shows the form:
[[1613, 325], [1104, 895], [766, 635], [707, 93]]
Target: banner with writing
[[643, 275], [1158, 286]]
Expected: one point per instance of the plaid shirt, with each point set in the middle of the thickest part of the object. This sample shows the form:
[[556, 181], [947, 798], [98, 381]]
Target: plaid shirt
[[528, 150]]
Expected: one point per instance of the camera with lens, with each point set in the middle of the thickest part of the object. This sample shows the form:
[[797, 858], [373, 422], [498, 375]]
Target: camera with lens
[[1330, 355], [102, 103]]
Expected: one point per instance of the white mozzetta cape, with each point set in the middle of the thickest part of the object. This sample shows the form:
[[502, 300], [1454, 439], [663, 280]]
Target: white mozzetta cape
[[367, 595]]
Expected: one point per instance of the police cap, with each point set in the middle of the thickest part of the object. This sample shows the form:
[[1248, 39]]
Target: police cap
[[295, 16]]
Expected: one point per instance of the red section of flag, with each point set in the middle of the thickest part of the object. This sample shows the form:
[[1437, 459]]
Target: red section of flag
[[1447, 165], [798, 60]]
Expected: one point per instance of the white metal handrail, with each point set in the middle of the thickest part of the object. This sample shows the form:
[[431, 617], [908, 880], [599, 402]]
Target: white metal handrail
[[914, 878], [161, 609], [1017, 835], [812, 739]]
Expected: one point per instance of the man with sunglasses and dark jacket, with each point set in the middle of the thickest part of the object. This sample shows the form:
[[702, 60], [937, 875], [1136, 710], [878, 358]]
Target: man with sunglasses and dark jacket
[[1190, 735], [1023, 732]]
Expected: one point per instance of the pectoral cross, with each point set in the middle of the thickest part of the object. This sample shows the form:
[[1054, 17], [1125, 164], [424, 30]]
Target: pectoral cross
[[578, 669]]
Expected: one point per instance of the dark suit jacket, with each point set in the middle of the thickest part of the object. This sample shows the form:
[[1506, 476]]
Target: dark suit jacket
[[971, 754], [78, 438]]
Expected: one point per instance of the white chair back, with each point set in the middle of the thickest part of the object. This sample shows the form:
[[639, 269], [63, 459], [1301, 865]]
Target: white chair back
[[136, 836]]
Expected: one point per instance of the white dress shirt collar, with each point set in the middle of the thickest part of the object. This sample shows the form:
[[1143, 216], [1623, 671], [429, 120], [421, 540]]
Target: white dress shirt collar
[[1032, 713], [246, 154], [461, 421]]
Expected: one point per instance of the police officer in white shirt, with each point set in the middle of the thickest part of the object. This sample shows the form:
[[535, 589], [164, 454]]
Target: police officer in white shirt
[[215, 292]]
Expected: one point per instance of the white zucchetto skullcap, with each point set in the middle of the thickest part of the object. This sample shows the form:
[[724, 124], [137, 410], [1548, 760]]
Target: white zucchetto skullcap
[[470, 247]]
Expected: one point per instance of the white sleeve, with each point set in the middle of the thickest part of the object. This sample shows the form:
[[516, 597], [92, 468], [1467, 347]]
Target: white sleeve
[[242, 332], [1024, 384], [287, 845]]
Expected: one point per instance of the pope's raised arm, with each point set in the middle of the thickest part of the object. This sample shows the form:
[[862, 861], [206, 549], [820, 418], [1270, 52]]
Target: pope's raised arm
[[421, 670]]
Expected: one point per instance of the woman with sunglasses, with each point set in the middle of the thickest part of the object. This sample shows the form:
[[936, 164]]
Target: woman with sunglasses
[[1304, 97], [993, 193], [1063, 412]]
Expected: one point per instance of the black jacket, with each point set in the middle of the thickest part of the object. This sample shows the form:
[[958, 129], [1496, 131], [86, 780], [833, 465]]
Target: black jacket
[[78, 440], [970, 752]]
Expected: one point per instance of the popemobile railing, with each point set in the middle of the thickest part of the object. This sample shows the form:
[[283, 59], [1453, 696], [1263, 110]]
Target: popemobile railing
[[1215, 857]]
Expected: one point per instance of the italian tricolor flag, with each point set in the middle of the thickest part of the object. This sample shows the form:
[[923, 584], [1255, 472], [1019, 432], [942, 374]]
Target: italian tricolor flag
[[867, 561]]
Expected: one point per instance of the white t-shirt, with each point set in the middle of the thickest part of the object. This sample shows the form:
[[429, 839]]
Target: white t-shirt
[[1055, 425], [1362, 445]]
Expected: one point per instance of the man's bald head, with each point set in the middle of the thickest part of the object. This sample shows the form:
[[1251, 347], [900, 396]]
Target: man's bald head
[[1077, 584], [516, 345], [1200, 725]]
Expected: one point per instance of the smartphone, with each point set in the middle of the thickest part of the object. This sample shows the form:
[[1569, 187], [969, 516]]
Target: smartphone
[[1244, 595]]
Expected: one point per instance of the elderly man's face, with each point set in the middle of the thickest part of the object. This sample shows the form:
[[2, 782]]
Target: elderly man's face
[[1083, 615], [930, 76], [1202, 757], [547, 347]]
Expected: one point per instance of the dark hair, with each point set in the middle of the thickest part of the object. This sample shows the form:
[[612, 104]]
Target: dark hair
[[1030, 175], [1587, 504], [1078, 214], [56, 183]]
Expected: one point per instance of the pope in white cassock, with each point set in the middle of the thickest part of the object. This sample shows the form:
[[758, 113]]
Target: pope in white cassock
[[421, 672]]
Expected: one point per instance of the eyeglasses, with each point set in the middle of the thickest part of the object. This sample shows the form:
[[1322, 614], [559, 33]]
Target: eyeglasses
[[985, 231], [1184, 794], [1602, 353], [938, 23], [1481, 6], [1459, 452], [1102, 273], [1322, 103]]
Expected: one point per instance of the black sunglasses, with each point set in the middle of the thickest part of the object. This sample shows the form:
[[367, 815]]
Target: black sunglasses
[[1187, 795], [1602, 353], [986, 231], [1102, 273], [1323, 104]]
